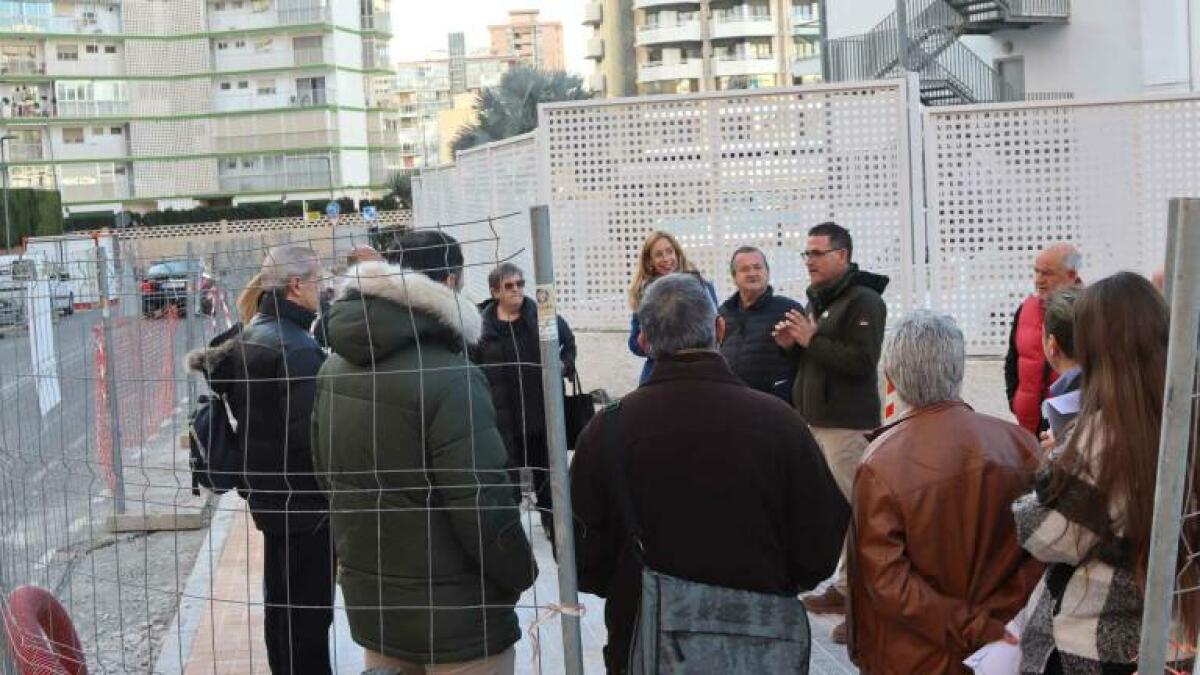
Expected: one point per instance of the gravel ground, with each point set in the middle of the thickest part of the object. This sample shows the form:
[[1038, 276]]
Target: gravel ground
[[605, 362]]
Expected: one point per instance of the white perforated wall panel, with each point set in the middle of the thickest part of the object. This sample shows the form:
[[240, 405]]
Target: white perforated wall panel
[[721, 171], [484, 201], [1005, 181]]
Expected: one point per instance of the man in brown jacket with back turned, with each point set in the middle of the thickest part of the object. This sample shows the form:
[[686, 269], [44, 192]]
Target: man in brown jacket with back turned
[[934, 566]]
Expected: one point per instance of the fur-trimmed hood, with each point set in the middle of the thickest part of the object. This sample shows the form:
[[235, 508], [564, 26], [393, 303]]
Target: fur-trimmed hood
[[417, 291], [382, 309]]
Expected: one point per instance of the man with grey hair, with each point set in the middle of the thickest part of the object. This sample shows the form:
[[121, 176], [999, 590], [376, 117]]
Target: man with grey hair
[[935, 570], [1027, 374], [718, 500], [750, 318], [266, 371]]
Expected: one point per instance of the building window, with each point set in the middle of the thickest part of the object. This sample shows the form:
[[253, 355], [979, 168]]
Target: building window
[[97, 131], [263, 46], [265, 87], [218, 6], [222, 45], [226, 86], [243, 84], [117, 131], [92, 49], [68, 52], [72, 135], [240, 44], [110, 49]]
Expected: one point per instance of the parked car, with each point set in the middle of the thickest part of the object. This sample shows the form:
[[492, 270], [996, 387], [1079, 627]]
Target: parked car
[[168, 283], [62, 294]]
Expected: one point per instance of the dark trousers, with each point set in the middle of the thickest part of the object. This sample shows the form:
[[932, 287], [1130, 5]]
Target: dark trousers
[[298, 592], [533, 452]]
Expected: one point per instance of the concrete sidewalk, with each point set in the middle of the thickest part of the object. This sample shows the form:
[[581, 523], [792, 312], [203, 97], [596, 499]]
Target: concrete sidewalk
[[218, 630]]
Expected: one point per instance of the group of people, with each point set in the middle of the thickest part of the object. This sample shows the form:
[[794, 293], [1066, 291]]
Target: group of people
[[386, 453]]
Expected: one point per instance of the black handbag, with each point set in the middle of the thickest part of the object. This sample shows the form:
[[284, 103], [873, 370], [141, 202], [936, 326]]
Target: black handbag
[[578, 407]]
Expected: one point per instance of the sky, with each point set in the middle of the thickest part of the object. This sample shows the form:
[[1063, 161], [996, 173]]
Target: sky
[[421, 26]]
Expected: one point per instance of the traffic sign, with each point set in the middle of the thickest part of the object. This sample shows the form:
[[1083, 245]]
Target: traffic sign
[[333, 209], [368, 213]]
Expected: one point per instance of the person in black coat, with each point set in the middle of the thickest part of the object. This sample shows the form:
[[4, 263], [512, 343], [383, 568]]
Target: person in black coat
[[750, 318], [509, 353], [267, 372], [766, 516]]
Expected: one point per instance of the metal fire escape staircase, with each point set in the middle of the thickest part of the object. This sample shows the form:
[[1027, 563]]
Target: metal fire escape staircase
[[950, 72]]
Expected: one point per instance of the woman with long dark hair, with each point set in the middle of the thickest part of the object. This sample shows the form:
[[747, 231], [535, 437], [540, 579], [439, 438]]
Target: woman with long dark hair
[[1090, 514]]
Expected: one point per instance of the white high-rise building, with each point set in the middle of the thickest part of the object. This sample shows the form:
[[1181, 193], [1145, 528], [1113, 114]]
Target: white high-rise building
[[681, 46], [145, 104]]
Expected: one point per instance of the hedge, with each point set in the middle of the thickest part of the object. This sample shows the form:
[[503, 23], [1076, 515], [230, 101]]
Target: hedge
[[33, 213], [212, 214]]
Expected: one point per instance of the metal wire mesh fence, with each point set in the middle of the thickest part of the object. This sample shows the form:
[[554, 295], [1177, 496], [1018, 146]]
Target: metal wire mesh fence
[[1175, 548], [97, 504]]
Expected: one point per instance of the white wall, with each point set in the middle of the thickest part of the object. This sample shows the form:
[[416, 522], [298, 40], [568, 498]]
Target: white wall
[[855, 17], [1097, 54]]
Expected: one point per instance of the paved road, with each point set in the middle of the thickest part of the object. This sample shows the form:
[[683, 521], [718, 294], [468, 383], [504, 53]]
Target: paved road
[[53, 495]]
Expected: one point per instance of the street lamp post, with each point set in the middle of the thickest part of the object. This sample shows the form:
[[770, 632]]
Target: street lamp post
[[4, 164]]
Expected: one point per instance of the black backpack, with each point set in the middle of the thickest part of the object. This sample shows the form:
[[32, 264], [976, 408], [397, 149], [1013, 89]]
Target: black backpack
[[216, 453]]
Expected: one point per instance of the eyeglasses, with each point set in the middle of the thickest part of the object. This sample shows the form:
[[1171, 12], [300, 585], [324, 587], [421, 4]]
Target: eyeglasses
[[809, 255], [514, 285]]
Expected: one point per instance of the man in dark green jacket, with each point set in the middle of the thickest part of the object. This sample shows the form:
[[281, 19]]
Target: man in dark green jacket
[[837, 343], [432, 556]]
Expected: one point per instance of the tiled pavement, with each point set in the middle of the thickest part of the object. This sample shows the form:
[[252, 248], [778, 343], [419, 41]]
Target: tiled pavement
[[223, 634]]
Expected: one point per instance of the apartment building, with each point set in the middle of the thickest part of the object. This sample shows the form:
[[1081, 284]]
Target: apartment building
[[705, 45], [536, 43], [143, 105], [431, 107]]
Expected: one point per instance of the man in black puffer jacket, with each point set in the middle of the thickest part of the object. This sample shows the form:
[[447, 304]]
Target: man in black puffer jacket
[[267, 372], [750, 318]]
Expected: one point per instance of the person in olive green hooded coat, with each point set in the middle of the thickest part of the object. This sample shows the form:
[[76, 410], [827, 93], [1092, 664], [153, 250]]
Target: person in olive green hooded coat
[[431, 553]]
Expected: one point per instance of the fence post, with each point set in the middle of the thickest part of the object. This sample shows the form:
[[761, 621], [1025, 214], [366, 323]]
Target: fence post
[[1173, 443], [192, 303], [110, 382], [556, 435]]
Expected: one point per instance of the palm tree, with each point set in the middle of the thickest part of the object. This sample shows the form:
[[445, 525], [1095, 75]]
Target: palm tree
[[510, 109], [400, 186]]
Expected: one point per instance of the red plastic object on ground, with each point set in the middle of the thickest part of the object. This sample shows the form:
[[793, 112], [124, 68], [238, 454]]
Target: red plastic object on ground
[[41, 637]]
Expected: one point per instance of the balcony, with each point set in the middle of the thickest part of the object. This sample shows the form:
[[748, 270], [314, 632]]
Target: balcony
[[733, 65], [658, 71], [101, 24], [94, 192], [236, 102], [298, 16], [593, 13], [294, 180], [381, 22], [739, 25], [647, 4], [595, 48], [807, 66], [25, 152], [308, 56], [286, 140], [806, 21], [383, 137], [21, 66], [664, 33], [240, 60], [85, 109]]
